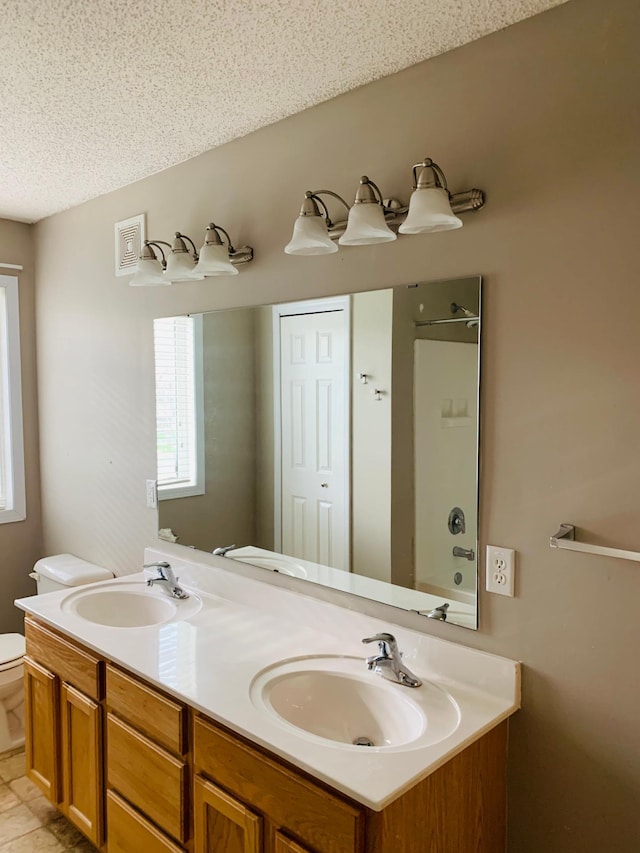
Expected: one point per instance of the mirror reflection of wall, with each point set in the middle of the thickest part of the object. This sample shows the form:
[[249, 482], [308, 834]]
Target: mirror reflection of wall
[[341, 432]]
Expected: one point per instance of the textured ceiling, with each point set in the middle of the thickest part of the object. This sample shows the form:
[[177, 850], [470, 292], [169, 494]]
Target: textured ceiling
[[96, 94]]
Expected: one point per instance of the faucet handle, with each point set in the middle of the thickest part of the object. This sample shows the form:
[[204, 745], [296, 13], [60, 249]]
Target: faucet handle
[[387, 642], [162, 567]]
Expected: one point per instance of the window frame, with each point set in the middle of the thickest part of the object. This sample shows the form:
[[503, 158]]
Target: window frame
[[12, 434], [197, 486]]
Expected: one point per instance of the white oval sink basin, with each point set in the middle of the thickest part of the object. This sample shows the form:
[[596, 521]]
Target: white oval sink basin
[[337, 700], [128, 605]]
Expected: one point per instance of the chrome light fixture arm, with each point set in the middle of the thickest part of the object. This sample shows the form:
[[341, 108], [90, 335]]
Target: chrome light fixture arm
[[236, 256], [181, 236], [151, 255], [313, 200]]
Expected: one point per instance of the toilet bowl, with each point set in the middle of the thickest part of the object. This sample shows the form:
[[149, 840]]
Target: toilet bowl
[[11, 691], [51, 573]]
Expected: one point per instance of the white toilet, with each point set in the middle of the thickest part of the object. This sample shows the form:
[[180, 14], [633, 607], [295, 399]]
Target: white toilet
[[51, 573]]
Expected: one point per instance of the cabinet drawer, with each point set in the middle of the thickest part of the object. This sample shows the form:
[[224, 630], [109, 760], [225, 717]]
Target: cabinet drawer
[[127, 830], [62, 657], [308, 811], [147, 776], [164, 720]]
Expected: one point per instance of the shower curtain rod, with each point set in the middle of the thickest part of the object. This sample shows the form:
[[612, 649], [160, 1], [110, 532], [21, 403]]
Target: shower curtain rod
[[448, 320]]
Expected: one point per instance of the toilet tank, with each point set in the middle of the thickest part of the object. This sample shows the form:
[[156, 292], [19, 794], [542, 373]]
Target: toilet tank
[[62, 571]]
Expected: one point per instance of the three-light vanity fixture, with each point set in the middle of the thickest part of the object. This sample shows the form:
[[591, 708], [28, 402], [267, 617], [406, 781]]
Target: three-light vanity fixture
[[186, 264], [373, 219]]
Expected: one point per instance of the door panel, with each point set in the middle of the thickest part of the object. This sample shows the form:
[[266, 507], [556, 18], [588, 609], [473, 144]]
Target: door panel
[[315, 438], [222, 823], [41, 699], [82, 763]]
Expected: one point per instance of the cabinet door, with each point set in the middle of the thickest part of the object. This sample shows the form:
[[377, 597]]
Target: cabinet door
[[41, 703], [82, 785], [285, 845], [222, 823]]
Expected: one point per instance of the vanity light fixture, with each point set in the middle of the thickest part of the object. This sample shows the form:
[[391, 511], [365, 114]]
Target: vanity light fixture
[[373, 219], [311, 228], [181, 263], [429, 205], [366, 224], [218, 259], [150, 271]]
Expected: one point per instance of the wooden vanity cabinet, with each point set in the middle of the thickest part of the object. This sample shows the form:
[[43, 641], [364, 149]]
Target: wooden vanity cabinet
[[176, 781], [258, 804], [63, 725]]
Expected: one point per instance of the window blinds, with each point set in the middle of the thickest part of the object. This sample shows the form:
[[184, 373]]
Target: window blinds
[[175, 400]]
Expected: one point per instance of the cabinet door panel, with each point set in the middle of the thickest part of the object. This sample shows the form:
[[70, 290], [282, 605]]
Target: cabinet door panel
[[223, 823], [41, 698], [285, 845], [82, 763]]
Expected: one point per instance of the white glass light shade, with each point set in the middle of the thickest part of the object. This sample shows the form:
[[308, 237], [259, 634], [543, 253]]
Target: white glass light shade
[[310, 237], [148, 274], [366, 225], [214, 260], [180, 267], [429, 210]]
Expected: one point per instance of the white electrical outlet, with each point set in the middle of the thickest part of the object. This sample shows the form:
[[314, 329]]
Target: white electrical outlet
[[152, 494], [500, 567]]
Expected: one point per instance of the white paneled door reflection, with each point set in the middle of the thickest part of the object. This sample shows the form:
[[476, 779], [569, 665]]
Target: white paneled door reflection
[[314, 438]]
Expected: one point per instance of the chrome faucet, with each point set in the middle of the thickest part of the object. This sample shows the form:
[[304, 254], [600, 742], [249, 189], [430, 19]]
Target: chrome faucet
[[439, 612], [222, 551], [467, 553], [388, 663], [166, 579]]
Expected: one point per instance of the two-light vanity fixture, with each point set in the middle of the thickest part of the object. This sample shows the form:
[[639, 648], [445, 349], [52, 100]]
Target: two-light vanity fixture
[[373, 219], [186, 264]]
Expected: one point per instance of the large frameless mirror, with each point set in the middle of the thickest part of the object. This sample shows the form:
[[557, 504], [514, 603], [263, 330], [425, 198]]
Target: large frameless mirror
[[335, 440]]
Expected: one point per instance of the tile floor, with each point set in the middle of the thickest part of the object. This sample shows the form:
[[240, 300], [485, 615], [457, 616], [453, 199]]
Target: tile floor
[[28, 822]]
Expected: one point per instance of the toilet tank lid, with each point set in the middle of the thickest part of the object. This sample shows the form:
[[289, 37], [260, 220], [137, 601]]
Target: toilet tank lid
[[69, 570], [12, 647]]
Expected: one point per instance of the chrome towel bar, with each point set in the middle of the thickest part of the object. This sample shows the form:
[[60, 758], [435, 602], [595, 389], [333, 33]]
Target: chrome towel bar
[[566, 536]]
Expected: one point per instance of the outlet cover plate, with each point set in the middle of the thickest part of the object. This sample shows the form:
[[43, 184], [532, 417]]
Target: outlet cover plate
[[500, 566]]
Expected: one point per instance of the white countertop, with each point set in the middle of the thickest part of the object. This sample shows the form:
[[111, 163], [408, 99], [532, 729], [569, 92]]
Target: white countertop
[[244, 626]]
